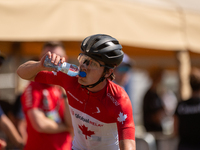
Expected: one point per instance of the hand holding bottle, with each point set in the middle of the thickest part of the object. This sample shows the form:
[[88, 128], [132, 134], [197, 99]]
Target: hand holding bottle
[[69, 69]]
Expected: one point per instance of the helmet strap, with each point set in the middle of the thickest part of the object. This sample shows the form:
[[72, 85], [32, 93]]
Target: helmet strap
[[99, 81], [93, 85]]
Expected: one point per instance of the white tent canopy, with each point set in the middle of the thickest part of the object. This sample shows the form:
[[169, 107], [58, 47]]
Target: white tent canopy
[[166, 25], [172, 25]]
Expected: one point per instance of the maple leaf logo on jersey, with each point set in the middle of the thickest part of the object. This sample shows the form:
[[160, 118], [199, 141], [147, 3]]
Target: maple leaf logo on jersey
[[122, 117], [85, 131]]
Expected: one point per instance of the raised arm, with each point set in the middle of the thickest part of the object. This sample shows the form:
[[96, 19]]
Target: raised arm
[[29, 69]]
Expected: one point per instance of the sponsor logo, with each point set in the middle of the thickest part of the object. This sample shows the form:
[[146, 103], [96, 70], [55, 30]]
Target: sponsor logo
[[82, 118], [88, 120], [113, 99], [98, 111]]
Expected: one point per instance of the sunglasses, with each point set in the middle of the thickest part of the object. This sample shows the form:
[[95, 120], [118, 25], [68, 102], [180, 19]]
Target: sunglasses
[[89, 62]]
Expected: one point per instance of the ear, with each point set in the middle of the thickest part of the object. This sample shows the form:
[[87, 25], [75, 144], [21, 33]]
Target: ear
[[108, 73]]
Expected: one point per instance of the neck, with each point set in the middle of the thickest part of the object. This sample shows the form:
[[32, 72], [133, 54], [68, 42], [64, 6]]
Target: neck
[[98, 87]]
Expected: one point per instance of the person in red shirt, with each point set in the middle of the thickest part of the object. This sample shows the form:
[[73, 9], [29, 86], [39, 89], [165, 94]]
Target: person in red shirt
[[101, 110], [44, 109]]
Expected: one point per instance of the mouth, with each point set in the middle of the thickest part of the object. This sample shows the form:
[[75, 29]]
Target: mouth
[[82, 74]]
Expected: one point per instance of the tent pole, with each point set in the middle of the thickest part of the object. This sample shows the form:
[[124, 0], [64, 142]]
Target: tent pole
[[184, 68]]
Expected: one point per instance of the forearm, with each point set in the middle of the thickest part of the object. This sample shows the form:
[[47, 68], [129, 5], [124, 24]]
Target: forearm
[[11, 131], [43, 124], [29, 70], [51, 127], [22, 126], [127, 144]]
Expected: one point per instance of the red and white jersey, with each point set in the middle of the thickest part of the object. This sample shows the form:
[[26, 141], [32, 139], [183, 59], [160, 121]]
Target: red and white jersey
[[100, 119]]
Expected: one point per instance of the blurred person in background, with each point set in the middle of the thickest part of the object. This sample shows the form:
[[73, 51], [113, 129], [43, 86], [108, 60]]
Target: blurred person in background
[[153, 106], [122, 74], [17, 117], [47, 112], [11, 132], [187, 116], [8, 127]]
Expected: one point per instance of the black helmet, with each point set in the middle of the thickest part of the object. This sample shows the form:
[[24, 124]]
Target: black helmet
[[104, 48]]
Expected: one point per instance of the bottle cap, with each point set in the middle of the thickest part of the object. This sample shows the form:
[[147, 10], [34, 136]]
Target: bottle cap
[[82, 74]]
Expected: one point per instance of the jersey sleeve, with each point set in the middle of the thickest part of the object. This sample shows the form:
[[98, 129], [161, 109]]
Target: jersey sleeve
[[123, 116], [31, 98], [125, 123], [56, 78]]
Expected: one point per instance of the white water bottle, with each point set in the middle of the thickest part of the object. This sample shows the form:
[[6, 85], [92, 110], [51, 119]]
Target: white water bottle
[[69, 69]]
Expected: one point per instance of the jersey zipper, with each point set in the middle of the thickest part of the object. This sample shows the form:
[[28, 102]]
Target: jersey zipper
[[88, 93]]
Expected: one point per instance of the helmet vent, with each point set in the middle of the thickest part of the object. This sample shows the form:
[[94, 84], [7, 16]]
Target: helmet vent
[[102, 46], [111, 54], [115, 42], [114, 54]]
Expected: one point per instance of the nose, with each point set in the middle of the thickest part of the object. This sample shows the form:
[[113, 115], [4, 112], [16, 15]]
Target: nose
[[83, 67], [87, 62]]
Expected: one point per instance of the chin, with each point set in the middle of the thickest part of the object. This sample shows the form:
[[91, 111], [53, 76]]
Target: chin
[[80, 81], [84, 82]]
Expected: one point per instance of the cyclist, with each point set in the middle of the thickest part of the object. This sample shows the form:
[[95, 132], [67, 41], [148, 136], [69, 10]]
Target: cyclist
[[101, 110]]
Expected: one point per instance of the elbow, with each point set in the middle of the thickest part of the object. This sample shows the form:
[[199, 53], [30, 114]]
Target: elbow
[[38, 128], [19, 72], [24, 75]]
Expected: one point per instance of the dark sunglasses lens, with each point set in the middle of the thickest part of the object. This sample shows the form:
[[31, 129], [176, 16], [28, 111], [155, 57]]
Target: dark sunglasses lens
[[87, 62]]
